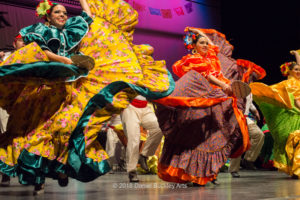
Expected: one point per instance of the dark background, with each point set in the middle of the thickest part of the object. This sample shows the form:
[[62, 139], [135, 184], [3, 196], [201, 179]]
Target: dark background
[[263, 32]]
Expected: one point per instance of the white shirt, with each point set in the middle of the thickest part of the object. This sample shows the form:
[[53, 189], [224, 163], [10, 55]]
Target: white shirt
[[6, 55], [140, 97], [249, 107]]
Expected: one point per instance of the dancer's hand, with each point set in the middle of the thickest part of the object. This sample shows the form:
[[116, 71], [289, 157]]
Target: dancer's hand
[[293, 52], [198, 31], [257, 116], [2, 54], [57, 58], [85, 6], [66, 60], [227, 89], [194, 30], [297, 103], [109, 106], [297, 55]]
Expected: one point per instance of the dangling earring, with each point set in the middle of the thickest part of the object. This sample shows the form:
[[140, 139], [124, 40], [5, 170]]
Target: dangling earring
[[47, 23], [194, 51]]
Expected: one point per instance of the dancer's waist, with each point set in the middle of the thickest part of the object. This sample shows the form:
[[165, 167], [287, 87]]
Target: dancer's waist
[[139, 103]]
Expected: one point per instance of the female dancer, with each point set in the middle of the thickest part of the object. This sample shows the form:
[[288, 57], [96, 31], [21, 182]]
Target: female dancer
[[60, 138], [280, 104], [201, 121]]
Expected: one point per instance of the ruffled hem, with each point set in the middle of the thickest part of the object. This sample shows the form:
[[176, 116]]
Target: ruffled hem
[[155, 73], [99, 101], [117, 12], [118, 19], [281, 167], [272, 95], [213, 31], [178, 175], [244, 130], [190, 101], [292, 149], [205, 102], [29, 66], [7, 169], [285, 168], [252, 67], [32, 169], [41, 73], [197, 166]]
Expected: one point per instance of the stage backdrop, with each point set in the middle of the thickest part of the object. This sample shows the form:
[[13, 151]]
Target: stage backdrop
[[161, 22]]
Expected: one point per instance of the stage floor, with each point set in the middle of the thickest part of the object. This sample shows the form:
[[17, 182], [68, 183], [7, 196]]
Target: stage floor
[[270, 185]]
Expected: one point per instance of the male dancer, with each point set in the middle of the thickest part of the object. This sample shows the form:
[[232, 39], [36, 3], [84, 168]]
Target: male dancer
[[137, 114]]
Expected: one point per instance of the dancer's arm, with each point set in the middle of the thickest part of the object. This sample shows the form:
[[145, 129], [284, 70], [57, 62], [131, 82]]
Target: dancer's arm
[[254, 111], [195, 30], [2, 54], [85, 7], [296, 54], [225, 87], [57, 58], [297, 103]]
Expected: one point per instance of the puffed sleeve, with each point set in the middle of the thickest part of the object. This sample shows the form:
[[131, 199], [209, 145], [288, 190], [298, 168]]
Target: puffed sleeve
[[86, 17], [178, 68], [35, 33], [191, 62], [75, 29]]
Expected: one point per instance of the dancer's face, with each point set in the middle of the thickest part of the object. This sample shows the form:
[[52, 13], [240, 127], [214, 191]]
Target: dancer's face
[[58, 16], [295, 72], [202, 45], [19, 43]]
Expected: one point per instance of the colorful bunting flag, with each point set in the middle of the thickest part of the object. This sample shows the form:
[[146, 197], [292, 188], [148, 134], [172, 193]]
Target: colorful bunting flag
[[154, 11], [179, 11], [166, 13], [139, 7], [189, 7]]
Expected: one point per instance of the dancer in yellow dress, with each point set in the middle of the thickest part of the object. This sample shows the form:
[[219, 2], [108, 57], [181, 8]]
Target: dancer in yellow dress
[[63, 141], [280, 104]]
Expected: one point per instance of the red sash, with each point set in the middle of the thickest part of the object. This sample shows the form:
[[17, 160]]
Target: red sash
[[139, 103]]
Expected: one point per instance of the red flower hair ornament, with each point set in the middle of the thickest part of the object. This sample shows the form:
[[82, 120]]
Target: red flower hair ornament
[[284, 68], [43, 9]]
